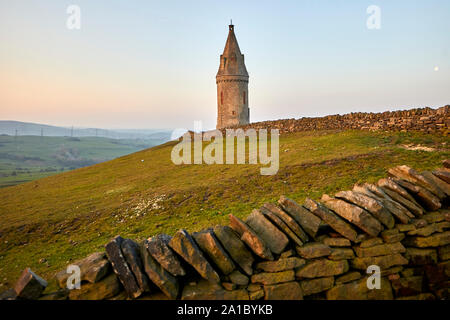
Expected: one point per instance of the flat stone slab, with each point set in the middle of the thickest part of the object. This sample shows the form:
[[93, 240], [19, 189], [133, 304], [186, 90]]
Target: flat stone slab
[[441, 184], [372, 241], [337, 242], [281, 264], [373, 206], [205, 290], [341, 254], [391, 271], [271, 235], [408, 174], [384, 262], [268, 278], [314, 286], [322, 268], [391, 236], [435, 240], [121, 268], [290, 221], [313, 250], [437, 216], [158, 246], [92, 269], [283, 291], [162, 278], [430, 229], [442, 174], [386, 199], [348, 277], [252, 287], [250, 238], [235, 247], [29, 286], [183, 244], [400, 212], [356, 215], [307, 220], [288, 253], [238, 278], [390, 184], [280, 223], [131, 252], [333, 220], [256, 295], [405, 227], [214, 250], [416, 209], [425, 197], [358, 290], [380, 250], [103, 289]]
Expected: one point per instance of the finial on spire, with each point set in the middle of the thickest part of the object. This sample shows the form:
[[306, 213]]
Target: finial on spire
[[231, 24]]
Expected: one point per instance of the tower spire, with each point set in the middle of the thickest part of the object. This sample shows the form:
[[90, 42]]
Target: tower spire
[[232, 60]]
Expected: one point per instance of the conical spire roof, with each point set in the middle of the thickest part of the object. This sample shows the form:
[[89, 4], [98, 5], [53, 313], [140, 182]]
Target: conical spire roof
[[232, 60]]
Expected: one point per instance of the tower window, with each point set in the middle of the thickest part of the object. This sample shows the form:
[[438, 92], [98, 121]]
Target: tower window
[[233, 113], [221, 98], [243, 98]]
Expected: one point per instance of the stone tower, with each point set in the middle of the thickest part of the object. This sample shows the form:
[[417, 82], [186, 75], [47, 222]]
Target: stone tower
[[232, 85]]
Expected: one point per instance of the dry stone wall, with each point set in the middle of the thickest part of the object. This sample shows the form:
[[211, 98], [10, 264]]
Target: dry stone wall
[[317, 250], [423, 119]]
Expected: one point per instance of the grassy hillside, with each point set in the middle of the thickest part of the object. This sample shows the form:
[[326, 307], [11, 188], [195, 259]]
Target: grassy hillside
[[27, 158], [47, 223]]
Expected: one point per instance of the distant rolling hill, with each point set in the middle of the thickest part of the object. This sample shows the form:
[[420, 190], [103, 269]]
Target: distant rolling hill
[[61, 218], [13, 128]]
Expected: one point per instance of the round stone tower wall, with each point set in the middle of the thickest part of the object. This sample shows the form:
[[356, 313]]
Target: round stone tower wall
[[232, 100]]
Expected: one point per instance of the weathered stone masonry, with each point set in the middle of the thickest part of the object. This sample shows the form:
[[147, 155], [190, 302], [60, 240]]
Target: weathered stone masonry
[[423, 119], [318, 250]]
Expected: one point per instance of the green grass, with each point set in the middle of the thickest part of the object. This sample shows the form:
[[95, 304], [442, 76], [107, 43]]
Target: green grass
[[67, 216], [27, 158]]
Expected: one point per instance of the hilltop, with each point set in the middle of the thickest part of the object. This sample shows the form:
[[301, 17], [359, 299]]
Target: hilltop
[[49, 222]]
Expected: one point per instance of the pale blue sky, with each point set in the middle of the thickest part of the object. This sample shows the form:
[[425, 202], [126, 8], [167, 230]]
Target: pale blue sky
[[143, 64]]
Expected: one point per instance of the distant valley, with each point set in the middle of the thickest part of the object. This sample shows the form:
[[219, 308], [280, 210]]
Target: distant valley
[[30, 151]]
